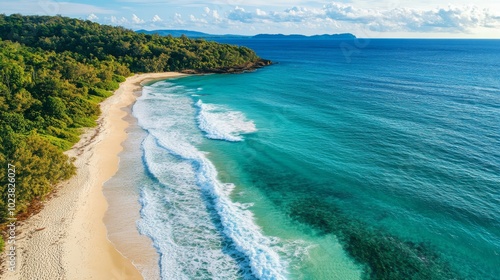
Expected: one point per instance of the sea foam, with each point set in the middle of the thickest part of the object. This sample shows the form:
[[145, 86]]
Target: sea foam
[[196, 228], [222, 123]]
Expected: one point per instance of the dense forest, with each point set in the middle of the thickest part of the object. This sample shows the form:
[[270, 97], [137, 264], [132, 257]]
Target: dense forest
[[54, 71]]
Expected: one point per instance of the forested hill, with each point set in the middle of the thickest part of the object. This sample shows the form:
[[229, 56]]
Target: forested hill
[[139, 52], [54, 71]]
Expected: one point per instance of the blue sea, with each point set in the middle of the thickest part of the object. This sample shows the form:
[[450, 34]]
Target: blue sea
[[359, 159]]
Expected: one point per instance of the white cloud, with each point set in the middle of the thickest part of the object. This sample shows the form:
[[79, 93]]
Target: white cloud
[[196, 20], [178, 19], [92, 17], [212, 15], [136, 19], [450, 19], [260, 12], [117, 21], [239, 14], [156, 18], [215, 15]]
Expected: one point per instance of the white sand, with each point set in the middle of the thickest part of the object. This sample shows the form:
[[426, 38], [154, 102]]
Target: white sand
[[67, 239]]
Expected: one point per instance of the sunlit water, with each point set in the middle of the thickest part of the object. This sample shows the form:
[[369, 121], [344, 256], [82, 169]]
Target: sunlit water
[[319, 166]]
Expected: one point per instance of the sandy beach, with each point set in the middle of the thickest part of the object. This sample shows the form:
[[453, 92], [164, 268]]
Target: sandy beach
[[68, 239]]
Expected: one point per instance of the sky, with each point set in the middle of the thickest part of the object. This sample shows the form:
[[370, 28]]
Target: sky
[[364, 18]]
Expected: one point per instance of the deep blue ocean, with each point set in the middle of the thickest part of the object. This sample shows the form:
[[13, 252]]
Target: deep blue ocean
[[344, 160]]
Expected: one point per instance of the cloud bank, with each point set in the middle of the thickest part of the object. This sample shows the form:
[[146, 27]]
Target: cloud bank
[[449, 19], [334, 16]]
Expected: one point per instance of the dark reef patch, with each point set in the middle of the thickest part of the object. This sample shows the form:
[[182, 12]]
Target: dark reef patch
[[383, 255]]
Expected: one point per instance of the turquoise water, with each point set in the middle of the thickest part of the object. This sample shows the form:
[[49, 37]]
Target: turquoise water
[[382, 161]]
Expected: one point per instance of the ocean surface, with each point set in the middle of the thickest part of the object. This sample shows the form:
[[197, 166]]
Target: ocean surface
[[344, 160]]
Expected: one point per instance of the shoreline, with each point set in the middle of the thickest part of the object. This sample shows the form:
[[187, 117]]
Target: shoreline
[[68, 239]]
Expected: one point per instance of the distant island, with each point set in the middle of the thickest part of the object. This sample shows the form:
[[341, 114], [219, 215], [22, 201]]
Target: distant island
[[196, 34], [188, 33]]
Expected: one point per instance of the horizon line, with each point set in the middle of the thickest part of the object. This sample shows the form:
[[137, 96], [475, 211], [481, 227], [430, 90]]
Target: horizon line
[[322, 34]]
